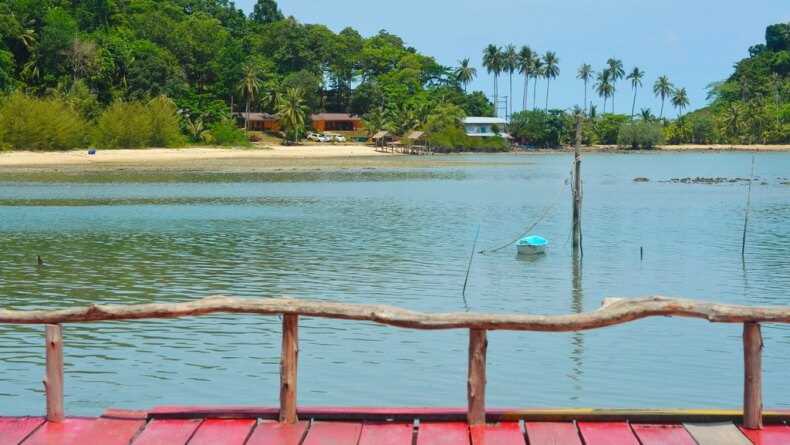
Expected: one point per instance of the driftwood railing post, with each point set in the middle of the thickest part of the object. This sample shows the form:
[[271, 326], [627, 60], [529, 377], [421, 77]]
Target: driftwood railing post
[[53, 380], [476, 383], [288, 367], [753, 376]]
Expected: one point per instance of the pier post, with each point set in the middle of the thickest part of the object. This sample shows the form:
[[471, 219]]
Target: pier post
[[753, 376], [476, 383], [288, 367], [576, 188], [53, 380]]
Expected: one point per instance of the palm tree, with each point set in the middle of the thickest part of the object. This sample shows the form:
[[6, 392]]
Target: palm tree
[[537, 72], [603, 86], [585, 73], [249, 86], [616, 73], [525, 56], [492, 63], [465, 73], [292, 111], [550, 71], [680, 99], [510, 64], [662, 88], [646, 114], [635, 76]]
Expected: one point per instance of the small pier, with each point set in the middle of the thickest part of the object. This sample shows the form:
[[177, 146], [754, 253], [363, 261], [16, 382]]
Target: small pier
[[291, 424]]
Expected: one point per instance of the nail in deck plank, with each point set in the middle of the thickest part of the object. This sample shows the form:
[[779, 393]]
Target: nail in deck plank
[[505, 433], [607, 433], [662, 434], [552, 433], [716, 434], [69, 431], [14, 429], [443, 433], [333, 433], [769, 435], [269, 432], [167, 432], [386, 434], [223, 431]]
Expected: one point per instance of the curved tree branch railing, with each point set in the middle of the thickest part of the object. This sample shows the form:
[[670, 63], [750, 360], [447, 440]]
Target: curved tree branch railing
[[614, 311]]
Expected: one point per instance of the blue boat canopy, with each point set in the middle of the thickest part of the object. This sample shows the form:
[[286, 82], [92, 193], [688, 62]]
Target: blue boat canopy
[[533, 240]]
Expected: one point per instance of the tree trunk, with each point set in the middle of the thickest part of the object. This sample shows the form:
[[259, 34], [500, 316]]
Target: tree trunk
[[662, 107], [510, 99], [585, 96], [526, 93], [548, 83], [247, 117], [633, 105], [534, 92]]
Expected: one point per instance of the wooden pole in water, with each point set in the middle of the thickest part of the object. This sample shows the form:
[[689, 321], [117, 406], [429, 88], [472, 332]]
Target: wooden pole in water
[[288, 367], [53, 380], [476, 383], [753, 376], [748, 207], [577, 186]]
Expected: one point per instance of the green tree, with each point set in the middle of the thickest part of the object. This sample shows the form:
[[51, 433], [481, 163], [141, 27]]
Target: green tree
[[266, 11], [680, 99], [635, 76], [585, 73], [662, 88], [510, 64], [492, 61], [293, 113], [538, 71], [603, 87], [465, 73], [616, 72], [551, 70], [249, 86], [525, 58]]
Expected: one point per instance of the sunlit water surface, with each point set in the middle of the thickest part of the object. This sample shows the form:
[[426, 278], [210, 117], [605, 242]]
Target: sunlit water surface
[[403, 238]]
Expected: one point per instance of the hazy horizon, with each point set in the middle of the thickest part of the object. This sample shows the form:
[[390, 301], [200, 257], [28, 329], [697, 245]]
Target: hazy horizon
[[669, 38]]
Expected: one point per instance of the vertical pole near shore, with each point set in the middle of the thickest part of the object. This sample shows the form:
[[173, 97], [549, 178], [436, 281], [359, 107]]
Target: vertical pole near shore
[[753, 376], [53, 380], [577, 188], [288, 367], [476, 382]]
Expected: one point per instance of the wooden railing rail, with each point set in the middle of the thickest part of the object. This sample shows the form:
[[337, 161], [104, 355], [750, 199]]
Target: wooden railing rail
[[613, 311]]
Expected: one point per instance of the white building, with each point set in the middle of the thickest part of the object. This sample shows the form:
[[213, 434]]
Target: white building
[[485, 127]]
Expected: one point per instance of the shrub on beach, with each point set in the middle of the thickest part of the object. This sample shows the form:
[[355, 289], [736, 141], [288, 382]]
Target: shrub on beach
[[136, 124], [30, 123], [165, 125], [640, 134], [225, 132]]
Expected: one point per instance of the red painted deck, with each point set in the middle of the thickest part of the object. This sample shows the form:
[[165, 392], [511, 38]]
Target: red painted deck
[[245, 429]]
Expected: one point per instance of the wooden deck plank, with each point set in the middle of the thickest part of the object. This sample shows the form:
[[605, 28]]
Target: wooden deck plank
[[552, 433], [769, 435], [70, 431], [503, 433], [724, 433], [270, 432], [607, 433], [333, 433], [223, 431], [112, 431], [14, 429], [443, 433], [386, 434], [167, 432], [652, 434]]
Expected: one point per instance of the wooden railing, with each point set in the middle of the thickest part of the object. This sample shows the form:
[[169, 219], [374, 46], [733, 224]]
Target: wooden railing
[[612, 312]]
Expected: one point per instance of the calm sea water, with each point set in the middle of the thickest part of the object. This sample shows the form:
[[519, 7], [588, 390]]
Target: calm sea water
[[400, 237]]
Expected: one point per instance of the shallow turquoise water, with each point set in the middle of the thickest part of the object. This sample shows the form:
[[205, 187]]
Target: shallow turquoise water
[[398, 237]]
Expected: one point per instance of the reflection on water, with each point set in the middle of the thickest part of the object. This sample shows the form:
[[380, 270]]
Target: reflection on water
[[402, 238]]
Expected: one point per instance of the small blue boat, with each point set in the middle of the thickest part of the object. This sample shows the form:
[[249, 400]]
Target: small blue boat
[[532, 245]]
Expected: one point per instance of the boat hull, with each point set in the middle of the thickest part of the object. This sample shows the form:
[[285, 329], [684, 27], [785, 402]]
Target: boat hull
[[526, 249]]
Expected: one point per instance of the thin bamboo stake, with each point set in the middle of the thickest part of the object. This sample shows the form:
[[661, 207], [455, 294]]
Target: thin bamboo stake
[[753, 376], [288, 369], [577, 186], [748, 208], [53, 380], [476, 382]]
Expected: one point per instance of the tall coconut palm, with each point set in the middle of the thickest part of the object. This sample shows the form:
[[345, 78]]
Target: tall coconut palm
[[680, 100], [662, 88], [525, 56], [585, 73], [249, 86], [635, 76], [510, 64], [292, 111], [492, 63], [537, 72], [616, 73], [550, 71], [465, 73], [603, 86]]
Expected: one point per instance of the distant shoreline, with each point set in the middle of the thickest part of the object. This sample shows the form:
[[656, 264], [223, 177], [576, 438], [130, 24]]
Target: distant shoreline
[[276, 157]]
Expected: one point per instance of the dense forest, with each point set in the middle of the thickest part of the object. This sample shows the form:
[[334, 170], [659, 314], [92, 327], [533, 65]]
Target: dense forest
[[135, 73]]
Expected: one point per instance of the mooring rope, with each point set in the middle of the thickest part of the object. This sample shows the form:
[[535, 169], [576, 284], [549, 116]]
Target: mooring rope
[[540, 219], [469, 268]]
